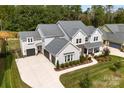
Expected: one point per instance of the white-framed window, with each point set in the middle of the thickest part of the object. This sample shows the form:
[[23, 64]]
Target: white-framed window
[[29, 39], [86, 39], [96, 49], [79, 40], [96, 38], [69, 57]]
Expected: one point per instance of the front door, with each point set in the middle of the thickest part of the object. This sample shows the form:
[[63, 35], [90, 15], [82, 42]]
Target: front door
[[39, 48], [90, 51]]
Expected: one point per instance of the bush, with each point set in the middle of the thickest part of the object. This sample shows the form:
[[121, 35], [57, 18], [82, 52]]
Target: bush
[[85, 82], [95, 57], [66, 64], [3, 47], [82, 59], [89, 58], [113, 68], [62, 65], [57, 65], [106, 52], [77, 62], [118, 65], [71, 63]]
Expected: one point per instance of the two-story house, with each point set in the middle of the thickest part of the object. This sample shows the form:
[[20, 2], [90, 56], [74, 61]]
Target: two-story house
[[64, 41]]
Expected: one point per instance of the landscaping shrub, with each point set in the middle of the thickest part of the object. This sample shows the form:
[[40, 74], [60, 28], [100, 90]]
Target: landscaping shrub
[[113, 68], [62, 65], [76, 62], [66, 64], [95, 57], [118, 65], [85, 82], [57, 65], [71, 63], [82, 59], [89, 58], [106, 52], [3, 48]]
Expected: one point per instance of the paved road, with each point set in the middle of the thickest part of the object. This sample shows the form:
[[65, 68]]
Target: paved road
[[37, 71]]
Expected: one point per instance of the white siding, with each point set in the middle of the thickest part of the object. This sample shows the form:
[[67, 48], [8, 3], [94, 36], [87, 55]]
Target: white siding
[[69, 48], [47, 40], [79, 35], [95, 34], [25, 46]]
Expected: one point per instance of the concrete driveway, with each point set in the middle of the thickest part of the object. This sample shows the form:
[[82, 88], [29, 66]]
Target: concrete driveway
[[116, 52], [37, 71]]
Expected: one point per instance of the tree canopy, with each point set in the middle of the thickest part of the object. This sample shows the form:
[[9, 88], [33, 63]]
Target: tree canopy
[[26, 18]]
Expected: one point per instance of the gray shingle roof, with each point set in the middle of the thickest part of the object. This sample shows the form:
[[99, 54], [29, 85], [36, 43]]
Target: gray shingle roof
[[116, 27], [56, 45], [92, 45], [50, 30], [25, 34], [71, 27], [118, 33]]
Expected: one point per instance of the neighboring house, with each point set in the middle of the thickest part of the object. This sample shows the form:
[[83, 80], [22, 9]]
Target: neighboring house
[[113, 35], [64, 41]]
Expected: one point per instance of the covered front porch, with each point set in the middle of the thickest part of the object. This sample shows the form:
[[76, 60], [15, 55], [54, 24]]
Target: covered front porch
[[92, 48]]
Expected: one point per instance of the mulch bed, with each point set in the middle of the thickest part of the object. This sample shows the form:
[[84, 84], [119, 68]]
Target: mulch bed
[[101, 59], [85, 62]]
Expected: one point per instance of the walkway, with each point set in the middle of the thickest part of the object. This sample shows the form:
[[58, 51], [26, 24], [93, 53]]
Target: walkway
[[78, 67]]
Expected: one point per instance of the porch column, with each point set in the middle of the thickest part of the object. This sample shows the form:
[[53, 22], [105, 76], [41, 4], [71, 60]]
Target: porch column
[[93, 50], [50, 58], [87, 51]]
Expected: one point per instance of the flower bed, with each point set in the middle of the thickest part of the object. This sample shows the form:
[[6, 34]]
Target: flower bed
[[83, 60], [103, 58]]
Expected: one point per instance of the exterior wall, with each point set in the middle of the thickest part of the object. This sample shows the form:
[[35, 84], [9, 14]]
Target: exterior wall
[[47, 40], [79, 35], [95, 34], [25, 46], [69, 48]]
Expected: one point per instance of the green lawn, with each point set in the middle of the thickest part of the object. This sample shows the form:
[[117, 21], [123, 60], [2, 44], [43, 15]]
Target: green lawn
[[9, 75], [100, 75]]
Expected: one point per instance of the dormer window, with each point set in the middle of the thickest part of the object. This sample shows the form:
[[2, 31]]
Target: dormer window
[[96, 38], [30, 39], [78, 41], [86, 39]]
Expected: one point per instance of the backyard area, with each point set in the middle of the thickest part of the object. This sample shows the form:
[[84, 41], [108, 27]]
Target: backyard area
[[100, 75], [9, 75]]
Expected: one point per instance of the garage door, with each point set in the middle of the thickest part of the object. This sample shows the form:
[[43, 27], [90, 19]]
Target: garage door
[[30, 52], [46, 53], [115, 45]]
